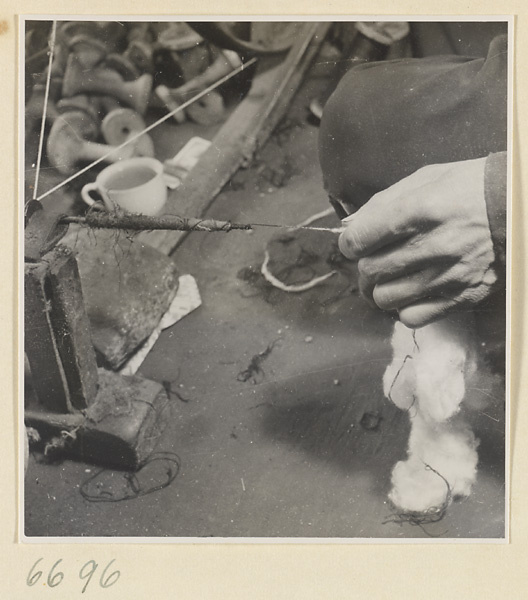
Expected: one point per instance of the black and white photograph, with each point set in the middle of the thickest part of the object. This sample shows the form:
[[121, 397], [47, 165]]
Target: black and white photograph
[[265, 277]]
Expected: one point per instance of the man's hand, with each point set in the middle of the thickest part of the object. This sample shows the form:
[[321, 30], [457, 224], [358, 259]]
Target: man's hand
[[424, 244]]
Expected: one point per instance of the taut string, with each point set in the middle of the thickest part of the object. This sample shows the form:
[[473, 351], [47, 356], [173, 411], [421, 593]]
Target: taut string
[[51, 43]]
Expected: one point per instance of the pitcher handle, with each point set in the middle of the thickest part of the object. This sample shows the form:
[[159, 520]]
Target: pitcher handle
[[85, 193]]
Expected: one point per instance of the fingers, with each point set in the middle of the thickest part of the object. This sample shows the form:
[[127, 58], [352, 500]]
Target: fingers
[[435, 281], [389, 284], [426, 311], [400, 292], [367, 232], [392, 215], [423, 245], [403, 274], [435, 263], [415, 254]]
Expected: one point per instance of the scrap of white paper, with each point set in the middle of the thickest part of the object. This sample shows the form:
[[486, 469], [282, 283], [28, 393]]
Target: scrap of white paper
[[185, 160], [186, 300]]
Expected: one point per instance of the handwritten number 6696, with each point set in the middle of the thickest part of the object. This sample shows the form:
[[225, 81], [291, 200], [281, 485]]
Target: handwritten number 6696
[[87, 571]]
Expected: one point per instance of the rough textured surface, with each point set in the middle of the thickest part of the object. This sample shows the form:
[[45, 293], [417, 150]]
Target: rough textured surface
[[72, 328], [40, 343], [127, 288]]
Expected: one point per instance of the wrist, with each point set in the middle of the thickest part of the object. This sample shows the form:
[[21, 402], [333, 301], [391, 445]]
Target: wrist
[[495, 186]]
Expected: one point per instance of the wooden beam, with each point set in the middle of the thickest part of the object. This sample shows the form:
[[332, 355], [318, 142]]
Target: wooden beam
[[49, 379], [57, 333], [242, 135], [71, 327]]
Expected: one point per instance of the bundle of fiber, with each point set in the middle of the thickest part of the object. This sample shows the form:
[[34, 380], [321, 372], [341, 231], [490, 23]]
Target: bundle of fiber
[[428, 377]]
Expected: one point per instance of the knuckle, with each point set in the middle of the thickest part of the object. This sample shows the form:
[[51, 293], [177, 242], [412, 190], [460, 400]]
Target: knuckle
[[425, 209], [463, 274], [406, 215], [455, 245], [460, 274]]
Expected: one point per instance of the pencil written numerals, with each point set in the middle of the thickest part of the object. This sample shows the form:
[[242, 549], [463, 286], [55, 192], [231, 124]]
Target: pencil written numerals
[[87, 571]]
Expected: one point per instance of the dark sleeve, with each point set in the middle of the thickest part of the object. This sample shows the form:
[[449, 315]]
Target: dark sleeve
[[495, 188], [388, 119]]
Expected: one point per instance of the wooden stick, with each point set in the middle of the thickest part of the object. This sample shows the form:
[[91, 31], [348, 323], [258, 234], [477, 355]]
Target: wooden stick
[[135, 222], [242, 134], [63, 420]]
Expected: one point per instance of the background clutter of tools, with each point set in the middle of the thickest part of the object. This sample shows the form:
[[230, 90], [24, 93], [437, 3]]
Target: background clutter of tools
[[104, 78]]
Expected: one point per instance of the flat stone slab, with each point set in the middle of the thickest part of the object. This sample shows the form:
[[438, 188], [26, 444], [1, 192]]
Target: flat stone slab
[[127, 287]]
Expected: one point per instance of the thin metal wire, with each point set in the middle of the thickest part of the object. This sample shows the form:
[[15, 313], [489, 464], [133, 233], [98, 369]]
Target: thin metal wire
[[51, 42], [309, 227], [150, 127]]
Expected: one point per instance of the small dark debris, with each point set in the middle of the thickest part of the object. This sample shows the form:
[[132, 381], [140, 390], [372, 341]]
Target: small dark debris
[[370, 421], [254, 368], [278, 176], [336, 260], [249, 274], [235, 184], [285, 128], [286, 238], [167, 386]]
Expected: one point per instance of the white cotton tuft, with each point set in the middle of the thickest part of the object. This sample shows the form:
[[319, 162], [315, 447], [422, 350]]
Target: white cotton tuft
[[399, 380], [430, 365], [427, 377], [449, 451], [442, 363]]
